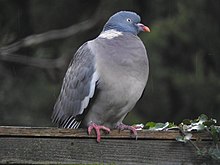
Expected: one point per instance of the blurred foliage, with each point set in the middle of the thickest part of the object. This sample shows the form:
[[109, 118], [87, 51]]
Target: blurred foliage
[[205, 124], [183, 49], [201, 124]]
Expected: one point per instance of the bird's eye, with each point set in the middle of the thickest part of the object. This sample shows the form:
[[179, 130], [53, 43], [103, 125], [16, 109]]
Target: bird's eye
[[128, 19]]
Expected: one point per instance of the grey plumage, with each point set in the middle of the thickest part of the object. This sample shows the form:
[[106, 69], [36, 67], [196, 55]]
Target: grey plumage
[[122, 66], [104, 81], [76, 87]]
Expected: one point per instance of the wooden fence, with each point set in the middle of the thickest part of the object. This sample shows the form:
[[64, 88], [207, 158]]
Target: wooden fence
[[27, 145]]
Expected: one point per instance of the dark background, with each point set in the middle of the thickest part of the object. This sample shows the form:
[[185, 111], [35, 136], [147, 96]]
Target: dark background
[[183, 48]]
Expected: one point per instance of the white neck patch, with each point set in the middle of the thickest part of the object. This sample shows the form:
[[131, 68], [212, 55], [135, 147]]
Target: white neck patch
[[109, 34]]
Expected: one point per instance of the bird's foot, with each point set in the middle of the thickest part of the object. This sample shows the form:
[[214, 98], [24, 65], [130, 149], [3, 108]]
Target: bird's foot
[[97, 129], [122, 126]]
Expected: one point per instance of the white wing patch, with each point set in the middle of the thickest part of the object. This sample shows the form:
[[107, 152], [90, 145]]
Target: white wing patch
[[85, 101], [71, 123], [109, 34]]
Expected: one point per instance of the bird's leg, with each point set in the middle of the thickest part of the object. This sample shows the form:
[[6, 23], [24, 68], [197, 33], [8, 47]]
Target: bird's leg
[[122, 126], [97, 129]]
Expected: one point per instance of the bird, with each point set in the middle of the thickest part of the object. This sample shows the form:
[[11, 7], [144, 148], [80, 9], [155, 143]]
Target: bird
[[105, 78]]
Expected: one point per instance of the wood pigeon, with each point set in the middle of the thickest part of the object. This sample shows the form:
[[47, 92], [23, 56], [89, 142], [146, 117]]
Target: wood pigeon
[[105, 78]]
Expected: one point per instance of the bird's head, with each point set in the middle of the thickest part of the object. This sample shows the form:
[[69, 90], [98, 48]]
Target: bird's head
[[126, 21]]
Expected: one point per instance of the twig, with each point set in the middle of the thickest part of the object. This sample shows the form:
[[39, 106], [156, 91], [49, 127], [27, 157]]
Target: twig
[[36, 62], [191, 142], [52, 35], [7, 52]]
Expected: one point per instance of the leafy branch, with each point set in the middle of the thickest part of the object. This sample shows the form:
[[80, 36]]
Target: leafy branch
[[202, 123]]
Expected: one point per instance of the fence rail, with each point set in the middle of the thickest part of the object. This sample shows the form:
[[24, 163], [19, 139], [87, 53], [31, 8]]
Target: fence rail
[[28, 145]]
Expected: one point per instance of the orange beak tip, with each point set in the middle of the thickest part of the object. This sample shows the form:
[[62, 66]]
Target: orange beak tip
[[146, 29]]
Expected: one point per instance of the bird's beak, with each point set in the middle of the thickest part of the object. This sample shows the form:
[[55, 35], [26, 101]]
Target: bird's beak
[[143, 28]]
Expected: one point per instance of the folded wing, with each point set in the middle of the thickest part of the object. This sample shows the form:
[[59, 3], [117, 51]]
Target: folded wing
[[78, 88]]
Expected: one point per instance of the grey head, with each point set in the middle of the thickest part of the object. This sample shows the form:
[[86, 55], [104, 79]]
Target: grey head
[[126, 21]]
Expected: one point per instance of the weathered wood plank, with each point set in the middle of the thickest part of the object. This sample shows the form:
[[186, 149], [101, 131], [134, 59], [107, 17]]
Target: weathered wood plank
[[64, 146], [82, 133], [115, 151]]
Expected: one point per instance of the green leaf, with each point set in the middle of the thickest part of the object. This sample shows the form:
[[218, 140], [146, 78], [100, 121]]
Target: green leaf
[[188, 136], [157, 126], [215, 134], [196, 127], [210, 122], [172, 125], [150, 125], [203, 117], [180, 139], [185, 138], [186, 122], [160, 126]]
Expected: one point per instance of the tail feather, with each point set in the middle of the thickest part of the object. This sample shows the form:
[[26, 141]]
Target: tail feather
[[70, 122]]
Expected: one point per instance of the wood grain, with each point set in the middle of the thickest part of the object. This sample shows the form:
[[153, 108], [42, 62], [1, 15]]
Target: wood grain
[[22, 145], [82, 133]]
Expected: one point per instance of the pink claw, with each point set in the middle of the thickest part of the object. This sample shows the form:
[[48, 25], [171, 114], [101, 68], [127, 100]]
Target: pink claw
[[97, 130], [122, 126]]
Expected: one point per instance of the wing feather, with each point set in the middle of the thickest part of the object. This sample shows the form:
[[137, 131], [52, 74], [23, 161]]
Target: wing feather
[[78, 87]]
